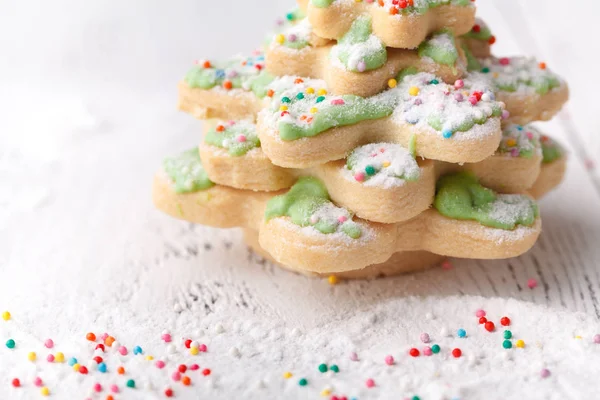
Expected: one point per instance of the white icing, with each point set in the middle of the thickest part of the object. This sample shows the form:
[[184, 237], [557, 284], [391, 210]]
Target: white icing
[[518, 139], [357, 52], [511, 208]]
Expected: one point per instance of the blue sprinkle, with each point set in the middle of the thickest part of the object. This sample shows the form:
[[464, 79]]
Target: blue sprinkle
[[102, 367], [220, 73], [519, 128], [461, 333], [137, 350], [447, 134], [260, 58], [72, 361]]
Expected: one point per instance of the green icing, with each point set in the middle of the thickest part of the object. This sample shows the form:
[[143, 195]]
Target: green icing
[[441, 48], [460, 196], [484, 33], [518, 73], [551, 151], [244, 73], [307, 203], [238, 138], [473, 63], [355, 109], [360, 50], [186, 172], [418, 7], [406, 72]]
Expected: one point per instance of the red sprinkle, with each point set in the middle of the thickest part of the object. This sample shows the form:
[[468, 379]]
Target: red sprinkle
[[100, 346], [182, 368], [206, 372], [169, 392], [482, 320], [504, 321], [16, 382], [476, 28], [83, 370], [414, 352], [489, 326], [98, 359], [456, 353], [194, 367]]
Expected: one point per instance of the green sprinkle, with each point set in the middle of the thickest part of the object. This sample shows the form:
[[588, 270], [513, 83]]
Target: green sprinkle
[[320, 99], [286, 100], [10, 344], [302, 382], [416, 398], [300, 96], [335, 368], [434, 82], [131, 383], [370, 170], [323, 368], [507, 344], [435, 349], [507, 334], [290, 16], [485, 70]]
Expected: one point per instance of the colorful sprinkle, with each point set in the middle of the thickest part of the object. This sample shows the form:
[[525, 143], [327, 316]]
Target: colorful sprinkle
[[31, 356], [435, 349], [6, 315], [130, 383], [389, 360], [303, 382], [16, 382], [414, 352], [287, 375], [532, 283], [10, 344], [424, 337], [507, 344], [370, 383], [505, 321], [489, 326], [545, 373], [507, 334], [520, 344], [457, 353], [335, 368], [392, 83], [38, 381], [461, 333], [45, 391]]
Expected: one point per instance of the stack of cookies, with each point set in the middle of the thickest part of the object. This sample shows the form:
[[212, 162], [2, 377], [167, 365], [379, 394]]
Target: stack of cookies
[[370, 138]]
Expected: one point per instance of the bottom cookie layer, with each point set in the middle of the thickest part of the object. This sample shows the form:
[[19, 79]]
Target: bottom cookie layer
[[400, 262]]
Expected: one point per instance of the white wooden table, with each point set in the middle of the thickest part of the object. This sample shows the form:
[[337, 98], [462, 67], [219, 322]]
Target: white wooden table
[[87, 100]]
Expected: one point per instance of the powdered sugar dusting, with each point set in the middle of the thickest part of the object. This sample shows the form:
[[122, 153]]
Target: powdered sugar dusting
[[381, 164]]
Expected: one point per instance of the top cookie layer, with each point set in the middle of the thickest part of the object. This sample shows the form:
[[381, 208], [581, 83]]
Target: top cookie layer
[[397, 23]]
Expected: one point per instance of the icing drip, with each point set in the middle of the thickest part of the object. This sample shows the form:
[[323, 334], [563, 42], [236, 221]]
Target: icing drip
[[460, 196], [519, 74], [382, 164], [520, 141], [186, 172], [359, 50], [551, 150], [411, 6], [240, 72], [307, 204], [441, 48], [237, 137]]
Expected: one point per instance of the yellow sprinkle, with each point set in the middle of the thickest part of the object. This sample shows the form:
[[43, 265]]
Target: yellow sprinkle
[[413, 91], [287, 375], [194, 351], [327, 392], [76, 367], [6, 315], [520, 344], [314, 110], [495, 75], [280, 39], [310, 90], [31, 356], [45, 391], [149, 358], [392, 83], [322, 92], [283, 108], [59, 357], [332, 279], [577, 337], [511, 142], [386, 164]]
